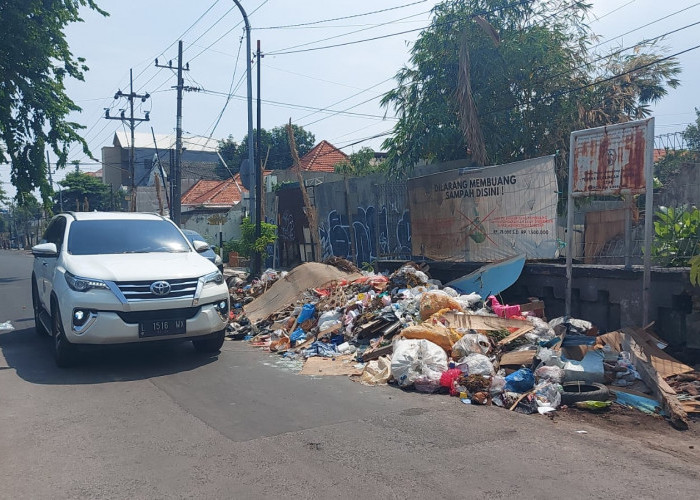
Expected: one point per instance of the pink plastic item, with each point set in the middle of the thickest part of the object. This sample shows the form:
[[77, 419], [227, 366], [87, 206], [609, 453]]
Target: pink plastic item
[[504, 311]]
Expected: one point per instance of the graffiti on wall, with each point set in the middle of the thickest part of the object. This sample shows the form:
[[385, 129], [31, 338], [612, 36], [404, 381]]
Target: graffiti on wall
[[382, 233]]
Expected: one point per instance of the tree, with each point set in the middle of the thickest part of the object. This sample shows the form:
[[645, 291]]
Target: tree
[[361, 163], [35, 61], [86, 192], [670, 163], [3, 195], [526, 77], [274, 148]]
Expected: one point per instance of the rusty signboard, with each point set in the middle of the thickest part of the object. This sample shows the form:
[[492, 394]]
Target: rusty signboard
[[486, 214], [611, 160]]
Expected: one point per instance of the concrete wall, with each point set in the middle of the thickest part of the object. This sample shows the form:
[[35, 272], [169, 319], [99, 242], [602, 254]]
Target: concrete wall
[[198, 220]]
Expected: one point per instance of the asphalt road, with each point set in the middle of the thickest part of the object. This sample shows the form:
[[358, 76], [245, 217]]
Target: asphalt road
[[162, 422]]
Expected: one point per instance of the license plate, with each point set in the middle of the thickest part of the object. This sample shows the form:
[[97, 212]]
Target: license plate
[[160, 327]]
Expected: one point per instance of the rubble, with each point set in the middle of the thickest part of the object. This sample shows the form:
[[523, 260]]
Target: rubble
[[407, 329]]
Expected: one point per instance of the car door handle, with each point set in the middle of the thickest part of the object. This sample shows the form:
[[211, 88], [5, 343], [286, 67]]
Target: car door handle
[[44, 264]]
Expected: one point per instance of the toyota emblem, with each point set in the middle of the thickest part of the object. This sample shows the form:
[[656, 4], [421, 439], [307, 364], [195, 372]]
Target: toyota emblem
[[160, 288]]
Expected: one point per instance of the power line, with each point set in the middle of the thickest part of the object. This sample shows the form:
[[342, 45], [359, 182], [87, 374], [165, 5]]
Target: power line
[[614, 10], [311, 23], [356, 31], [646, 25]]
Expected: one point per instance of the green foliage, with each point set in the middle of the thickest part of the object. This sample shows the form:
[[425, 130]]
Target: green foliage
[[3, 195], [274, 147], [361, 163], [695, 270], [35, 63], [79, 186], [248, 245], [692, 133], [677, 235], [531, 78]]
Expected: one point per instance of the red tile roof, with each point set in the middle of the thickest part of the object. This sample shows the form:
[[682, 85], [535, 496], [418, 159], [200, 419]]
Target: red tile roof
[[207, 193], [214, 194], [322, 158], [659, 154]]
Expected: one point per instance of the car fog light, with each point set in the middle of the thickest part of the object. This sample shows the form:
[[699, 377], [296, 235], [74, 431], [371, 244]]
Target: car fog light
[[222, 305], [80, 316]]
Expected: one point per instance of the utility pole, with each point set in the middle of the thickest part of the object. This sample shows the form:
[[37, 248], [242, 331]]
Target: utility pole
[[257, 264], [176, 173], [132, 125]]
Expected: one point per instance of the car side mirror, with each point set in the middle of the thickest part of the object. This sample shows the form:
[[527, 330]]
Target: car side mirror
[[45, 250], [200, 246]]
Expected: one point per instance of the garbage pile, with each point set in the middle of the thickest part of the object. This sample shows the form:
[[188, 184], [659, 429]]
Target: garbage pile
[[410, 330]]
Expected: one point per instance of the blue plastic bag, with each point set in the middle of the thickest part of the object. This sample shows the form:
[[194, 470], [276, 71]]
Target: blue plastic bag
[[520, 381], [307, 312], [297, 335]]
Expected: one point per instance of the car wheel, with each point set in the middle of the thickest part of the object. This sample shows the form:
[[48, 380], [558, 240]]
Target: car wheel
[[63, 351], [210, 345], [36, 305]]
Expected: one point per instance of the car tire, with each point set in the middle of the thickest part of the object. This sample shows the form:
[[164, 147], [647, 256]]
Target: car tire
[[39, 327], [211, 345], [583, 391], [64, 352]]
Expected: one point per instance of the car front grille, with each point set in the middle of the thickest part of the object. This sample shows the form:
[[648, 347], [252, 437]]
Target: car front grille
[[141, 290], [160, 314]]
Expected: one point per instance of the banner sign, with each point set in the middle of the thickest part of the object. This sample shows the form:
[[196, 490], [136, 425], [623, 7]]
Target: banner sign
[[486, 214], [611, 160]]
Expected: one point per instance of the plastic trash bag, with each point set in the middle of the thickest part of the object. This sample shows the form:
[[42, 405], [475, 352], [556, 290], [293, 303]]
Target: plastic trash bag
[[417, 359], [448, 379], [476, 364], [329, 319], [469, 343], [468, 301], [297, 335], [436, 333], [520, 381], [542, 330], [307, 312], [549, 374], [435, 300], [548, 395], [377, 371]]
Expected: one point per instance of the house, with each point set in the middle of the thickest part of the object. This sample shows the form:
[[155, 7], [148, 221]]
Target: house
[[199, 159]]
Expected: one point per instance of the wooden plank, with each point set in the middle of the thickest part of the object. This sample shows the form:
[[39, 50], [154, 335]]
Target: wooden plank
[[665, 364], [378, 352], [662, 391], [515, 335], [478, 322], [518, 358]]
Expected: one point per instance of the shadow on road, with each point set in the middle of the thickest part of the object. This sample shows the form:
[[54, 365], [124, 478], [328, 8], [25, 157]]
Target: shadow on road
[[31, 356]]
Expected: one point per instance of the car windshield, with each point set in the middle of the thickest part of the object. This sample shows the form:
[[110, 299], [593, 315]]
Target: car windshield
[[95, 237]]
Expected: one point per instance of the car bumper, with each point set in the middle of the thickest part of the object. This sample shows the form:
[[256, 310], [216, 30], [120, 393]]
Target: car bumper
[[113, 323], [108, 327]]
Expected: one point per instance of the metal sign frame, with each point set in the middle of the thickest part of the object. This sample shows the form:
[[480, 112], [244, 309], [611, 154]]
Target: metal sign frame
[[648, 157]]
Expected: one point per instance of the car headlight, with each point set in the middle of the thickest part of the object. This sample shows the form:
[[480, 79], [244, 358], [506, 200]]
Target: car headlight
[[215, 277], [83, 284]]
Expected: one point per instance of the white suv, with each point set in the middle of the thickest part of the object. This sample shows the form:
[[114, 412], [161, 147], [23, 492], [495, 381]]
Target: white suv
[[113, 278]]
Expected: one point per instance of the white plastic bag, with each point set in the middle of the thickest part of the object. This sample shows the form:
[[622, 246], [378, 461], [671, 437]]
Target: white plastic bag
[[469, 343], [417, 359], [329, 319], [476, 364]]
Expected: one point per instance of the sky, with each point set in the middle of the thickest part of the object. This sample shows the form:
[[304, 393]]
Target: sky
[[333, 92]]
